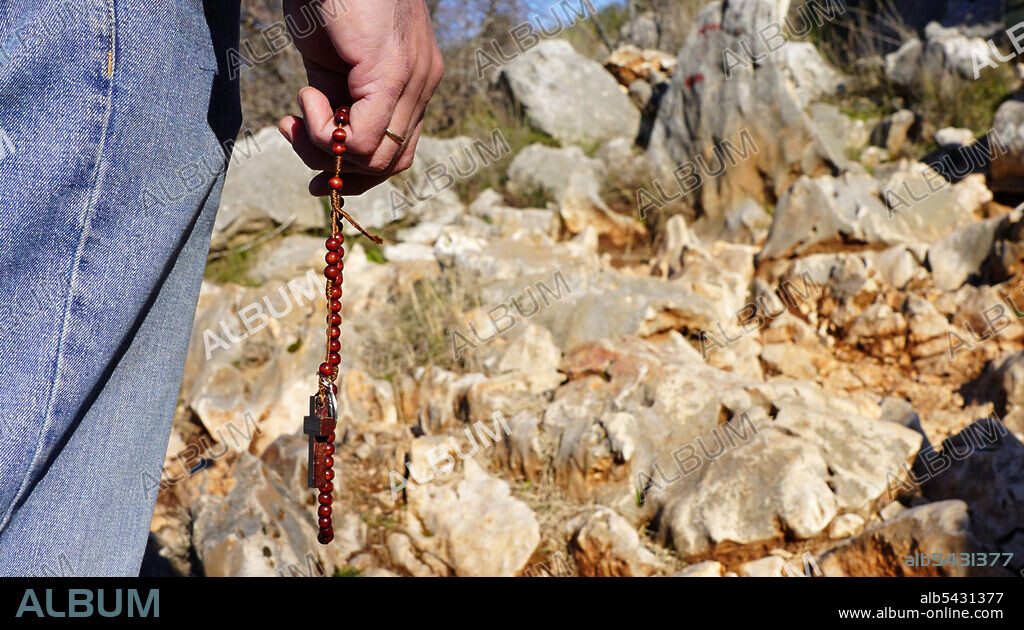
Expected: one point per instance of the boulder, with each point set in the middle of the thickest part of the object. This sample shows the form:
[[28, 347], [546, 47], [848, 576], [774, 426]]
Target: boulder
[[973, 194], [418, 253], [809, 74], [791, 479], [843, 135], [1002, 383], [242, 382], [708, 568], [644, 420], [1005, 258], [719, 95], [873, 157], [506, 265], [986, 471], [927, 328], [538, 167], [456, 153], [505, 220], [612, 304], [266, 190], [573, 181], [526, 348], [893, 131], [436, 396], [604, 544], [882, 551], [246, 376], [473, 525], [845, 526], [551, 80], [956, 258], [919, 207], [940, 65], [896, 266], [765, 567], [257, 530], [1007, 170], [676, 239], [954, 137], [377, 207], [287, 259]]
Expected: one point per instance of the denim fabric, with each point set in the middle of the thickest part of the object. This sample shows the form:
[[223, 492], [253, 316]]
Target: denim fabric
[[114, 116]]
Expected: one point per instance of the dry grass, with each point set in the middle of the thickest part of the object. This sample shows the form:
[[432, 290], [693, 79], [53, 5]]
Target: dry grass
[[414, 328]]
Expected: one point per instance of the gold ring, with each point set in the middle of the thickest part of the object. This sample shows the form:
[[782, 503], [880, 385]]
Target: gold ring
[[394, 136]]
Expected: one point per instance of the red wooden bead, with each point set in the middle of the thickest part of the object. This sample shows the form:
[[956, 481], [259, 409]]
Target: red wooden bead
[[335, 293], [332, 258], [334, 319], [324, 522], [335, 183], [335, 306], [335, 345], [325, 498], [325, 369], [335, 332], [334, 244], [331, 438], [324, 510], [331, 272], [339, 135], [325, 538], [334, 358], [329, 462], [342, 109], [327, 487], [328, 474], [329, 449], [338, 148]]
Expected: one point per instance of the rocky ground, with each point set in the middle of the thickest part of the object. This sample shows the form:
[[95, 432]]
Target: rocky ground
[[811, 361]]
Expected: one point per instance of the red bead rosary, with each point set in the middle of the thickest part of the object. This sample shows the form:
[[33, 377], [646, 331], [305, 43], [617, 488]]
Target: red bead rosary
[[319, 425]]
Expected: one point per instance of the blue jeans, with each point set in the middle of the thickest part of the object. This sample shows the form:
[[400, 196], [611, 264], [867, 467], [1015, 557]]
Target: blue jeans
[[114, 118]]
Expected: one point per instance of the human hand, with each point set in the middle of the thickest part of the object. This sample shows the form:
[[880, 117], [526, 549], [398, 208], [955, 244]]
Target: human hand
[[379, 56]]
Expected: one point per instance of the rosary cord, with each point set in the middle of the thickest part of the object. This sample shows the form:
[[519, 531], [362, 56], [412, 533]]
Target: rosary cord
[[333, 285], [322, 436]]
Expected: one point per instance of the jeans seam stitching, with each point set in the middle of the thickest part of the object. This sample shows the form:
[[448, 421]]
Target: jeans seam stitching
[[112, 52]]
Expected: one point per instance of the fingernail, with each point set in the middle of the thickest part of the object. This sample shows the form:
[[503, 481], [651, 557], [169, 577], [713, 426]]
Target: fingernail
[[285, 134]]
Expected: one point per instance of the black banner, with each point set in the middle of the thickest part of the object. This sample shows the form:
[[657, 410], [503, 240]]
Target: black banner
[[977, 602]]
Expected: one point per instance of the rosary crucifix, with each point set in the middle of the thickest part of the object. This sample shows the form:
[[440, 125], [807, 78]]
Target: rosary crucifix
[[319, 425]]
